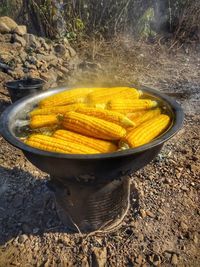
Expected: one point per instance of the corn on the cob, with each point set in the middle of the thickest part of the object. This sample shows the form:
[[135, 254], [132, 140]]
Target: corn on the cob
[[100, 145], [92, 126], [107, 115], [126, 106], [55, 110], [53, 144], [39, 121], [147, 131], [136, 114], [147, 116], [104, 95], [66, 97]]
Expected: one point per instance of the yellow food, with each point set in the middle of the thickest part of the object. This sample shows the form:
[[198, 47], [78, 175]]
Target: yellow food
[[100, 145], [92, 126], [135, 114], [53, 144], [147, 131], [128, 105], [107, 115], [104, 95], [55, 109], [147, 116], [39, 121], [66, 97]]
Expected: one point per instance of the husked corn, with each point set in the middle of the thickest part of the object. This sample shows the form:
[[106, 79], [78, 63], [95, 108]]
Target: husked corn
[[127, 106], [147, 131], [100, 145], [136, 114], [66, 97], [92, 126], [107, 115], [53, 144], [104, 95], [147, 116], [39, 121], [55, 109]]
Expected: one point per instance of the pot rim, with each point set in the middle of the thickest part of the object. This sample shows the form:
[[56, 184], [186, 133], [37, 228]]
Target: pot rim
[[13, 140]]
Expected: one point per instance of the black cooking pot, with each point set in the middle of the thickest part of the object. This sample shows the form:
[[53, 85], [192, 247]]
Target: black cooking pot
[[88, 167], [24, 87]]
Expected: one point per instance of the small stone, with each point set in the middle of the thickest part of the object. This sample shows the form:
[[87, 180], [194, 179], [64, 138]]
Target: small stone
[[84, 262], [72, 52], [4, 28], [183, 226], [195, 239], [20, 30], [19, 39], [174, 259], [10, 23], [184, 188], [60, 49], [143, 213], [139, 260], [22, 238], [99, 257], [150, 214], [63, 70], [31, 40]]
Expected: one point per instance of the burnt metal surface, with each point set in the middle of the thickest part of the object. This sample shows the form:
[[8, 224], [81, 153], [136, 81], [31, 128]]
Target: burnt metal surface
[[85, 207]]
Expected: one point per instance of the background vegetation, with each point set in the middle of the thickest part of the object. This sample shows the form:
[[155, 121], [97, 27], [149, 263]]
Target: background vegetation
[[72, 18]]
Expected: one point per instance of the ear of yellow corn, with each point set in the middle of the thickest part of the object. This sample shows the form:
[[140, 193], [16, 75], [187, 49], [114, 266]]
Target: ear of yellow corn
[[53, 144], [104, 95], [66, 97], [39, 121], [136, 114], [147, 131], [100, 145], [107, 115], [55, 109], [127, 105], [147, 116], [92, 126]]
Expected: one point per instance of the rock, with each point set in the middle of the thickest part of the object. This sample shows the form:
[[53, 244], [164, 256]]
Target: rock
[[139, 260], [23, 56], [10, 23], [63, 69], [20, 30], [174, 260], [84, 262], [4, 28], [5, 38], [60, 49], [48, 58], [22, 238], [150, 214], [99, 257], [143, 213], [50, 76], [195, 239], [19, 39], [31, 40], [72, 52], [183, 226]]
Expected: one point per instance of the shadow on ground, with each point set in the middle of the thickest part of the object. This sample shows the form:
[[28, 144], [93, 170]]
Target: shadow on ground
[[27, 205]]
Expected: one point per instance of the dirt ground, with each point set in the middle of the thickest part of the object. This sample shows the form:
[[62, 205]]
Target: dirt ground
[[165, 229]]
